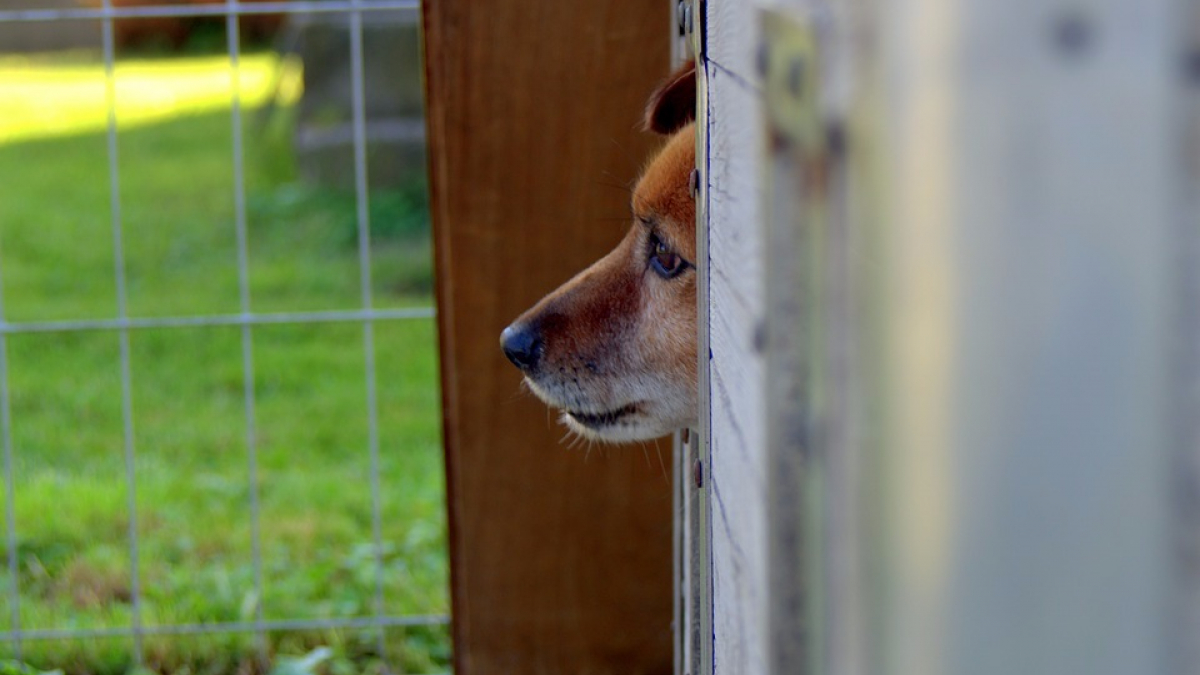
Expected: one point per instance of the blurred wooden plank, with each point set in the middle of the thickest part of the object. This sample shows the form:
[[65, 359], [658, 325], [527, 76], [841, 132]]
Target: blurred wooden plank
[[1020, 202], [561, 558], [1186, 523]]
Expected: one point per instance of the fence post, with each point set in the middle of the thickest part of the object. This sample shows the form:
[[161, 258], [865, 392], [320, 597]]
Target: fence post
[[1019, 236], [560, 559]]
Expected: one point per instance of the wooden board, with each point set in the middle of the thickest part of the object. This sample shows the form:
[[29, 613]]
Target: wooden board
[[561, 558], [1021, 416], [737, 415], [735, 312]]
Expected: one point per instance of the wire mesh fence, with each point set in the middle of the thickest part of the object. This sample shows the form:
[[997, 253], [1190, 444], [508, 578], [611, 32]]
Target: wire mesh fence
[[237, 322]]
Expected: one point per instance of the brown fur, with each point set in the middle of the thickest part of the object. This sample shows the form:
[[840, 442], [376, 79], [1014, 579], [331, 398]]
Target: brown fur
[[615, 347]]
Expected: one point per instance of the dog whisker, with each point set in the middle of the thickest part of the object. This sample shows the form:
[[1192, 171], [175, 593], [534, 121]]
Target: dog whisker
[[611, 219], [586, 443], [523, 391], [617, 186], [629, 155]]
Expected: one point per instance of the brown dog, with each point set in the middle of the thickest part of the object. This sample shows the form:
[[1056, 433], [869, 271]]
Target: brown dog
[[615, 347]]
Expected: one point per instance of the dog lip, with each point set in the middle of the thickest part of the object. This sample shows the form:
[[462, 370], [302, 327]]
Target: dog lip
[[595, 420]]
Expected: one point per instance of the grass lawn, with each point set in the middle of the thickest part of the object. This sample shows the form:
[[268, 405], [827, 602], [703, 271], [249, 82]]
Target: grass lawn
[[189, 420]]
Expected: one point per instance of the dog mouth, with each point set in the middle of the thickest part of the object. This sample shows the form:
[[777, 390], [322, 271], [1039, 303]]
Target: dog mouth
[[604, 419]]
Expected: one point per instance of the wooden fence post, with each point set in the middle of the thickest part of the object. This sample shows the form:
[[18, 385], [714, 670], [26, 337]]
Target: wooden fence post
[[561, 558]]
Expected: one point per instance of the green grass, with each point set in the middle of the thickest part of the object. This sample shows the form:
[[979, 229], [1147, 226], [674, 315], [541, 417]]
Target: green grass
[[190, 428]]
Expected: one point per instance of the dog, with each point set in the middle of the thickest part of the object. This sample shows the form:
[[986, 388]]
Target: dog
[[615, 347]]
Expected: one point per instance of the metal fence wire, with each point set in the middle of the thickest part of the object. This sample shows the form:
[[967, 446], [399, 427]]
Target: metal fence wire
[[246, 319]]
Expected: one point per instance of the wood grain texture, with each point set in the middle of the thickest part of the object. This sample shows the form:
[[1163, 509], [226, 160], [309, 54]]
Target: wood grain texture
[[561, 558], [734, 34], [732, 38], [742, 594], [738, 481]]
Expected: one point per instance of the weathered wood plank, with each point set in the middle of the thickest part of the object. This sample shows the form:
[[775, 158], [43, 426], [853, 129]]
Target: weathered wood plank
[[732, 38], [737, 483], [734, 34]]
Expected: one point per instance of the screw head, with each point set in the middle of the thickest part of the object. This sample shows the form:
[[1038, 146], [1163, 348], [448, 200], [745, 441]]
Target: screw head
[[1072, 33], [795, 77], [1191, 66], [760, 337], [835, 139]]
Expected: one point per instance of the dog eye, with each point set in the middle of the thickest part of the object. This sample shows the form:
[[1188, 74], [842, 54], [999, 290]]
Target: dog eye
[[666, 263]]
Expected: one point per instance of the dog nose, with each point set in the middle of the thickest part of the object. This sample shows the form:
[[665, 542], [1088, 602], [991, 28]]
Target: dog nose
[[522, 346]]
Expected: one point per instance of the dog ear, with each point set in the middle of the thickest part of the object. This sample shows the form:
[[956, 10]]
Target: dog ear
[[673, 104]]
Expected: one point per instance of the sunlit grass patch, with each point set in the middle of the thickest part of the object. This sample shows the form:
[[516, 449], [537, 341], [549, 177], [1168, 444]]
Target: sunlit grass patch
[[48, 96]]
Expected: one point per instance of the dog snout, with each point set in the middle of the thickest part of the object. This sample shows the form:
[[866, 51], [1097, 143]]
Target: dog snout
[[522, 345]]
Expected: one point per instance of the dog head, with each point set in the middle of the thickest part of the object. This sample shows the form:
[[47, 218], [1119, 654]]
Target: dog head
[[615, 347]]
